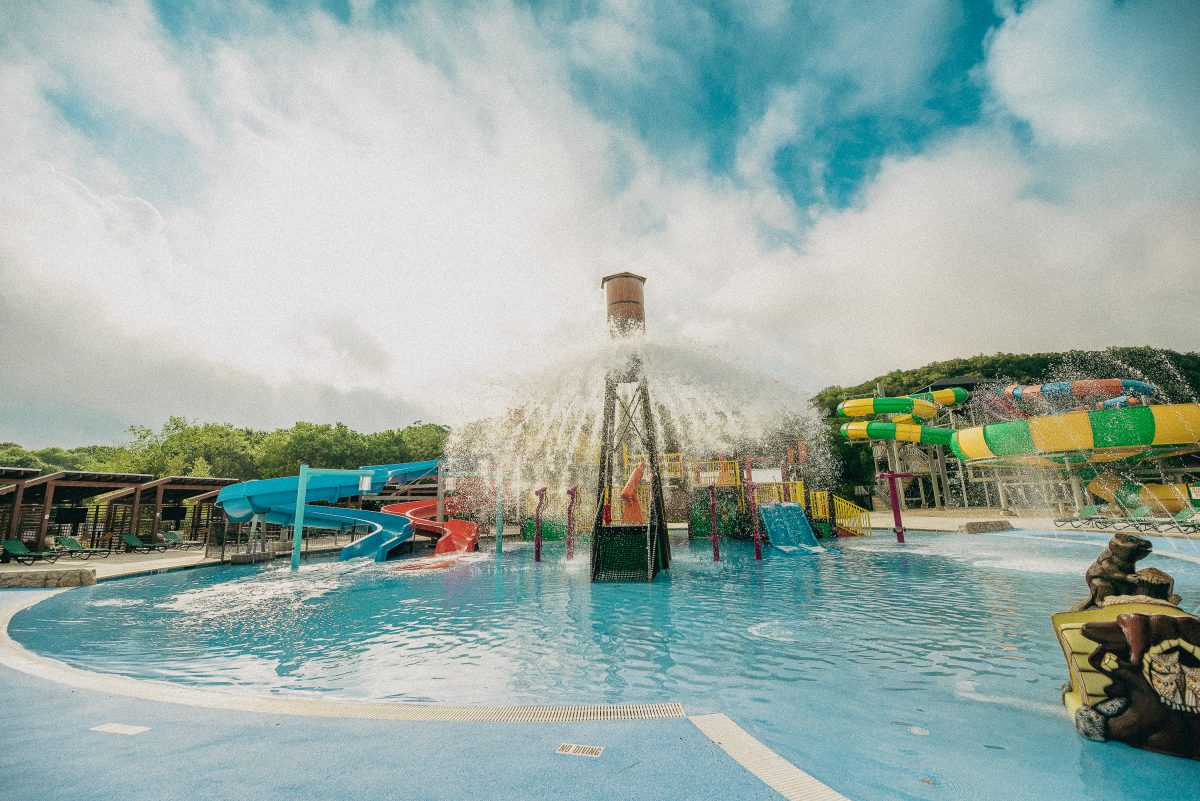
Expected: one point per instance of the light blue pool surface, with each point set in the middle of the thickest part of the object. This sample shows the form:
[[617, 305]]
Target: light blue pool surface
[[924, 671]]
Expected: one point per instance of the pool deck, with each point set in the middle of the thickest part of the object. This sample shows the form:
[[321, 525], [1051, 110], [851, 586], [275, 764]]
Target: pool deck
[[181, 750], [953, 520], [119, 564]]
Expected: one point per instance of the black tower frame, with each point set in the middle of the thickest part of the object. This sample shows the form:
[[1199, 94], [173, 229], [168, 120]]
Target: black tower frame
[[629, 552]]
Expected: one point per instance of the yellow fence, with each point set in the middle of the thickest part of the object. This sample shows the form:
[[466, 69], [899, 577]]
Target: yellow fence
[[670, 465], [722, 472], [852, 517], [778, 492]]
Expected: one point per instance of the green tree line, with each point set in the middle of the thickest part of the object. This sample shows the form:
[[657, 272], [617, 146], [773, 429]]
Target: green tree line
[[1176, 374], [185, 447]]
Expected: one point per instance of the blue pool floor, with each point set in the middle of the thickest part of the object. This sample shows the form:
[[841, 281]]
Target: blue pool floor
[[192, 752]]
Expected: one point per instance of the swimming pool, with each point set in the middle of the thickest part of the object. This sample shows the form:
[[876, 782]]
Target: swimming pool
[[921, 671]]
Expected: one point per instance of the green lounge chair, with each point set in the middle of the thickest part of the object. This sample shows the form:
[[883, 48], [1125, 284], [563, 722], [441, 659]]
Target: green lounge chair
[[134, 543], [17, 550], [1136, 519], [175, 541], [1186, 519], [1085, 514], [71, 547]]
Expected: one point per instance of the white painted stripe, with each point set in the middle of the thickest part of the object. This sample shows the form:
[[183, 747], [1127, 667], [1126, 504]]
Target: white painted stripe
[[780, 775], [119, 728], [14, 655]]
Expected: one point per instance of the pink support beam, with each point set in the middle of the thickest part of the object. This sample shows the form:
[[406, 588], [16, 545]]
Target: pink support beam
[[894, 491], [571, 493], [537, 524], [752, 506]]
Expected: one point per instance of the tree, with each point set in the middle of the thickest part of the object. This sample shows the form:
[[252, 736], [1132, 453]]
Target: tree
[[13, 455], [425, 441], [282, 452]]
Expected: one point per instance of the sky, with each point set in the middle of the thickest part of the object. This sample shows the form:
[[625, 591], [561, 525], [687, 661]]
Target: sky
[[257, 212]]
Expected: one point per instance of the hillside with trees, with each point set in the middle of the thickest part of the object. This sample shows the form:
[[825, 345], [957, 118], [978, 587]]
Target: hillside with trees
[[1176, 374], [188, 448]]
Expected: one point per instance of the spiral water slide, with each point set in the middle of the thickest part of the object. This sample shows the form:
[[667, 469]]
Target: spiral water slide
[[1124, 427], [1162, 499], [275, 500], [453, 536]]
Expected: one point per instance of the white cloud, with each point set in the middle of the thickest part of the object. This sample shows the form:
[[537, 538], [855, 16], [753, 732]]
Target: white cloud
[[408, 223]]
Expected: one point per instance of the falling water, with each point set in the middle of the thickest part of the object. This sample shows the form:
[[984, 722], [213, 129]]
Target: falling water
[[704, 405]]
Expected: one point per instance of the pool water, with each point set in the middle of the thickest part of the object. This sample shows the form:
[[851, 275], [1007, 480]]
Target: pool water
[[924, 671]]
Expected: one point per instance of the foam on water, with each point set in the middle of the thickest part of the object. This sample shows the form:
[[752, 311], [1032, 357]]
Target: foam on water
[[1064, 559]]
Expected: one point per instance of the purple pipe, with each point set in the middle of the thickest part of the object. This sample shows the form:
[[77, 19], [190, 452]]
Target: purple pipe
[[537, 524], [898, 526], [571, 522]]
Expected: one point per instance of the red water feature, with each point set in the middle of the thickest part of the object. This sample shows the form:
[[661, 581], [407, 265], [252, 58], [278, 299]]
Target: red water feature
[[454, 536]]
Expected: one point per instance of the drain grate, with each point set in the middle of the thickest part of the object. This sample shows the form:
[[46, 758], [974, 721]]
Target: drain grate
[[575, 749]]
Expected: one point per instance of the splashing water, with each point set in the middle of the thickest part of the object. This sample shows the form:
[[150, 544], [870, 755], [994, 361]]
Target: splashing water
[[705, 404]]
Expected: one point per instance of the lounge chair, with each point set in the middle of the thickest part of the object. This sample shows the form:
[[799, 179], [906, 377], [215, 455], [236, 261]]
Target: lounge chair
[[135, 544], [17, 550], [1186, 519], [175, 541], [1140, 519], [1088, 512], [71, 547]]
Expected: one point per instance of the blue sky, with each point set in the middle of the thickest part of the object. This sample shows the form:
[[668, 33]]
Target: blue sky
[[243, 210]]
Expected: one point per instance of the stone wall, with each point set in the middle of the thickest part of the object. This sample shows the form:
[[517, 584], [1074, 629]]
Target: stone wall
[[53, 577], [984, 526]]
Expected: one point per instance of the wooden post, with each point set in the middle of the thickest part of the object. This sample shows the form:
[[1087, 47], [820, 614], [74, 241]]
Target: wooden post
[[134, 517], [15, 523], [158, 499], [441, 493], [934, 478], [45, 522], [943, 472], [962, 480]]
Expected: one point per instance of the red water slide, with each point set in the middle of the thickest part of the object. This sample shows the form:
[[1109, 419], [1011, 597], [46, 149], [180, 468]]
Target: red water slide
[[454, 536]]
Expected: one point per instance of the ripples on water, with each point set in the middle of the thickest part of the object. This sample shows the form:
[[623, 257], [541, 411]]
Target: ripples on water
[[913, 664]]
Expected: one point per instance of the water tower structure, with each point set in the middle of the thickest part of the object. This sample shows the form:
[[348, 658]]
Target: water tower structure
[[629, 535]]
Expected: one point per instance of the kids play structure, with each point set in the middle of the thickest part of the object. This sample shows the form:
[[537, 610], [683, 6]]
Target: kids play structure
[[274, 501], [628, 521], [1111, 422]]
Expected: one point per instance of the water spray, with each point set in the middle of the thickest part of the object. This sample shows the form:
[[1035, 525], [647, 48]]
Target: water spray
[[712, 515]]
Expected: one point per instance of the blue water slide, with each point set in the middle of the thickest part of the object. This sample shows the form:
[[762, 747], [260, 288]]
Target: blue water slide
[[275, 499], [788, 527]]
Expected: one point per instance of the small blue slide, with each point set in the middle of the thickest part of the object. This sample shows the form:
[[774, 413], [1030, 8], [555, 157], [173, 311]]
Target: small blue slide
[[788, 527], [275, 499]]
